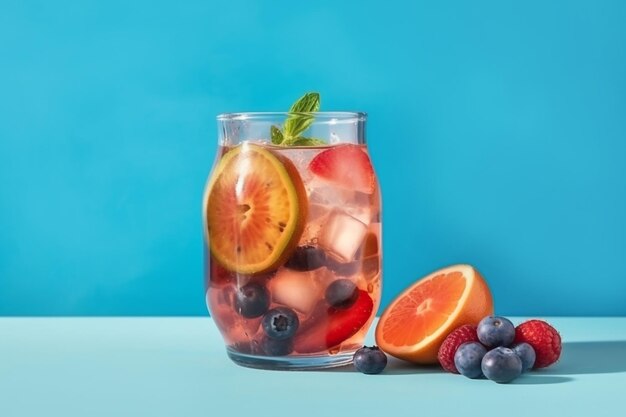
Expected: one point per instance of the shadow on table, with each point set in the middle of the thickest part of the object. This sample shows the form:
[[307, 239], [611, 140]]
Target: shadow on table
[[589, 358], [530, 379], [576, 358], [396, 367]]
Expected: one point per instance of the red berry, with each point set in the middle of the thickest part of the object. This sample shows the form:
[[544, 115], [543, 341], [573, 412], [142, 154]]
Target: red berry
[[543, 338], [348, 166], [465, 333]]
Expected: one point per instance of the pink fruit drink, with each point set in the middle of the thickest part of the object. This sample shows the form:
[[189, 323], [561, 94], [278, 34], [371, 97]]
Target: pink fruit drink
[[312, 308]]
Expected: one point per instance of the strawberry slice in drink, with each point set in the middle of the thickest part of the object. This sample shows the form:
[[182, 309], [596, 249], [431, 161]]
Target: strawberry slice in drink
[[346, 166], [333, 325]]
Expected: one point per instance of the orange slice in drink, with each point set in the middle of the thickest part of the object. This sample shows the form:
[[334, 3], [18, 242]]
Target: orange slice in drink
[[255, 209], [415, 324]]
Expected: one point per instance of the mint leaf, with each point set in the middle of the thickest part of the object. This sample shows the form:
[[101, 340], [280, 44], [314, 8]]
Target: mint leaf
[[297, 123], [308, 103], [298, 120], [300, 141], [277, 135]]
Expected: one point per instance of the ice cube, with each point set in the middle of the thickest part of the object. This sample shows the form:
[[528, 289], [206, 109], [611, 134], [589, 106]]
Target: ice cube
[[295, 289], [363, 214], [343, 269], [355, 203], [317, 211], [360, 207], [324, 277], [314, 225], [329, 196], [342, 235]]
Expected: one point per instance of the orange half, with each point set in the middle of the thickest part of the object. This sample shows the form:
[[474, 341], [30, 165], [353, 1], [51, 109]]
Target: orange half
[[415, 324]]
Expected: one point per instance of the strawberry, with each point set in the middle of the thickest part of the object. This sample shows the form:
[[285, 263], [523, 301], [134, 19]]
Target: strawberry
[[463, 334], [347, 166], [337, 326], [544, 339]]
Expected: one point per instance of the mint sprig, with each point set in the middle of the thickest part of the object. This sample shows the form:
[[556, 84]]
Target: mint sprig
[[298, 121]]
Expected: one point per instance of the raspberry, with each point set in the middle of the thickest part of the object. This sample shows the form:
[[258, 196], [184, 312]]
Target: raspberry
[[456, 338], [543, 338]]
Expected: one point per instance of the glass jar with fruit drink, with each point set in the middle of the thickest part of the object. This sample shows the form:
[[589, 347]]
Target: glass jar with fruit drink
[[292, 227]]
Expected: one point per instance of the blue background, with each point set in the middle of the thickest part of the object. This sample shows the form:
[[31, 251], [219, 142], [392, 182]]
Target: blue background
[[497, 129]]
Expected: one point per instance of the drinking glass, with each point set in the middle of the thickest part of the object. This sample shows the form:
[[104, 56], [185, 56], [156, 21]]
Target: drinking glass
[[292, 233]]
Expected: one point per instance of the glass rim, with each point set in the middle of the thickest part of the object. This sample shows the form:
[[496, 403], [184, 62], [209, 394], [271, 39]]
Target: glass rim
[[320, 115]]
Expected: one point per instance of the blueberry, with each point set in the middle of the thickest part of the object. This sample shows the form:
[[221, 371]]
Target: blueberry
[[280, 323], [501, 365], [341, 293], [277, 347], [527, 354], [494, 331], [370, 360], [306, 258], [468, 358], [252, 300]]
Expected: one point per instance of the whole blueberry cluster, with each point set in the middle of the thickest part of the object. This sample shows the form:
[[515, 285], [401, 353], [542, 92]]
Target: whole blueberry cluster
[[494, 356]]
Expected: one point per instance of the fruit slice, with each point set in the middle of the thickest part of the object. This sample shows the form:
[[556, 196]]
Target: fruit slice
[[331, 326], [416, 323], [255, 209], [347, 166]]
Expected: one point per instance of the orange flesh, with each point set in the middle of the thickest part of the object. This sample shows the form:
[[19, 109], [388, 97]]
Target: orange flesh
[[424, 309], [252, 211]]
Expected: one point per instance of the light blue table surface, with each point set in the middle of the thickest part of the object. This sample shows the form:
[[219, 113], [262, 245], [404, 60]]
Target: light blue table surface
[[178, 367]]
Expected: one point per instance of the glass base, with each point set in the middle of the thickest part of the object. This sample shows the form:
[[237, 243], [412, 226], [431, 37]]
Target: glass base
[[291, 363]]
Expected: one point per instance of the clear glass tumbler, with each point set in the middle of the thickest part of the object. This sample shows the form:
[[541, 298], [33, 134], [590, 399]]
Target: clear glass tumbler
[[292, 239]]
